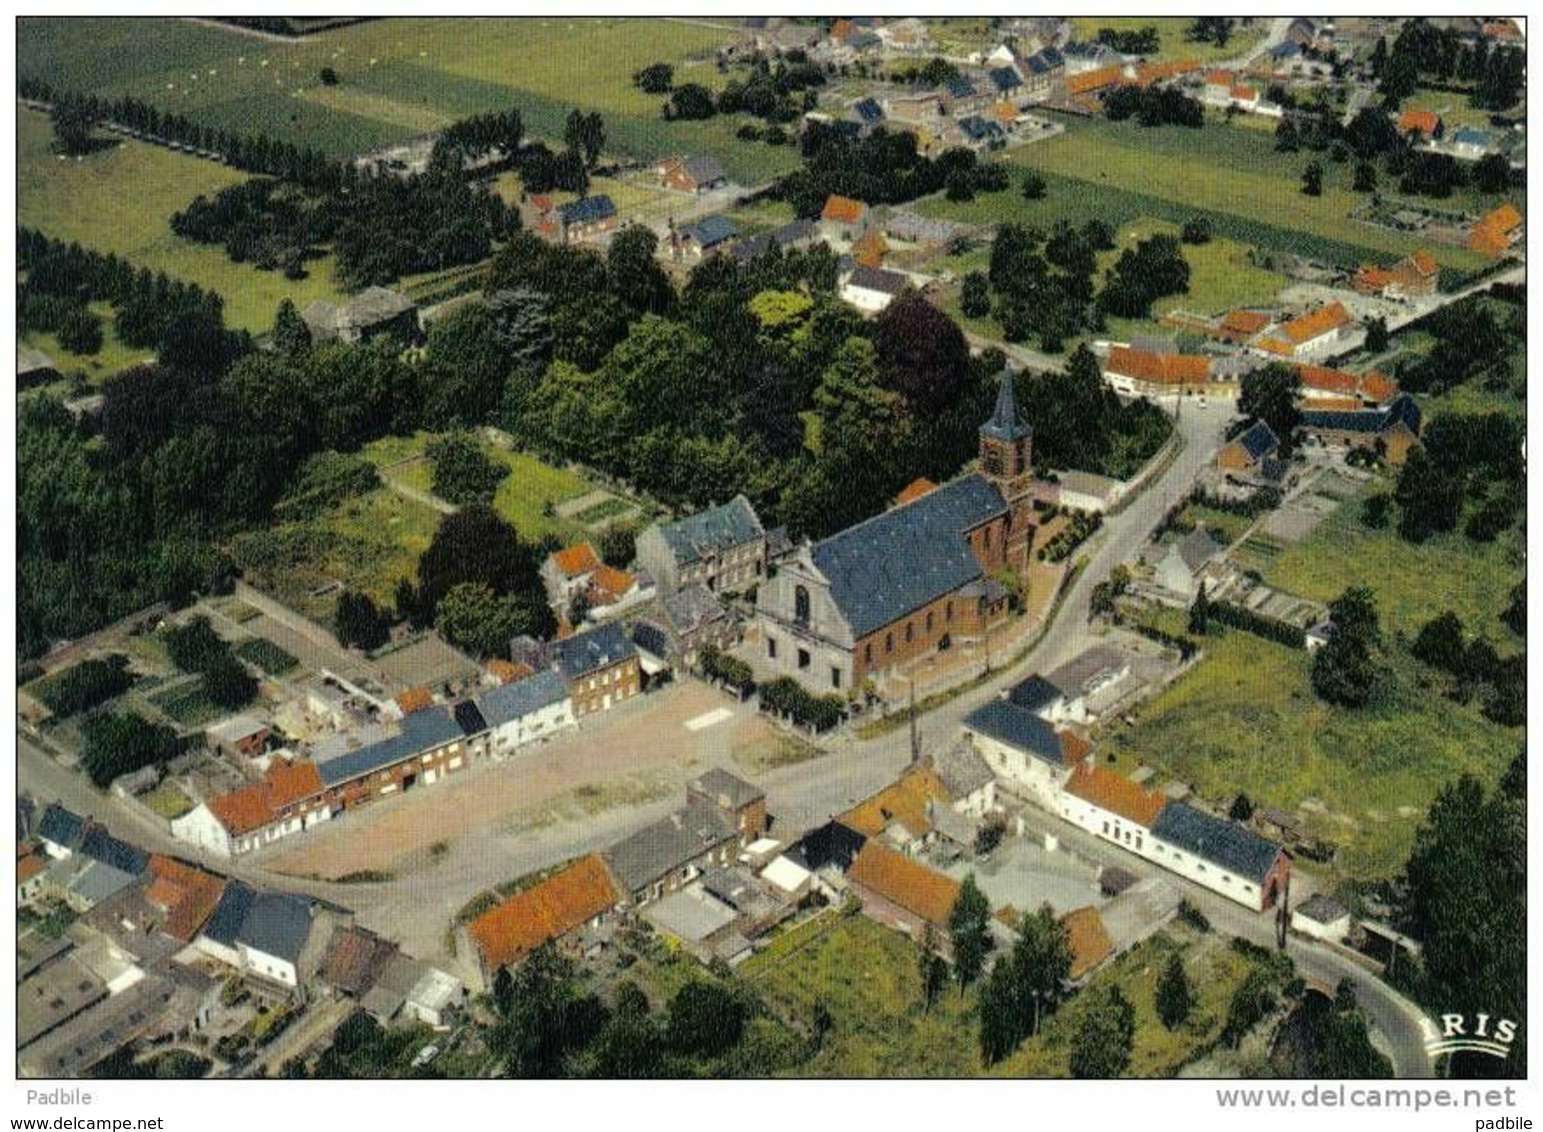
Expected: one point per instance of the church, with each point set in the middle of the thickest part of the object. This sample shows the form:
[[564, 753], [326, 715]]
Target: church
[[911, 581]]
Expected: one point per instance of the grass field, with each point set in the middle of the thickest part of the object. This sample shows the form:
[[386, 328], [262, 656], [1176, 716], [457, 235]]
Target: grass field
[[523, 496], [121, 200], [1171, 33], [167, 800], [112, 357], [402, 77], [1121, 173], [1412, 582], [1245, 718], [1455, 109]]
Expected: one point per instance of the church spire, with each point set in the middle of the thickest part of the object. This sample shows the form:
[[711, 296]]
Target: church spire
[[1004, 423]]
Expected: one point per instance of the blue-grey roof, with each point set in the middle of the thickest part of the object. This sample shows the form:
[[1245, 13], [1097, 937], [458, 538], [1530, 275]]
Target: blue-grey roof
[[869, 110], [1051, 57], [1402, 410], [1005, 79], [420, 731], [670, 843], [1467, 135], [275, 923], [785, 236], [688, 609], [1018, 727], [652, 639], [469, 717], [61, 826], [587, 209], [1286, 50], [1004, 423], [960, 87], [588, 652], [1034, 694], [515, 701], [1224, 844], [1259, 441], [877, 279], [716, 529], [704, 170], [710, 231], [830, 844], [97, 881], [102, 846], [977, 128], [898, 561]]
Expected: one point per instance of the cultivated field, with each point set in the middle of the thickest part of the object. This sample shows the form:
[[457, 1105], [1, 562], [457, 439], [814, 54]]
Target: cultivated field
[[1171, 30], [403, 77]]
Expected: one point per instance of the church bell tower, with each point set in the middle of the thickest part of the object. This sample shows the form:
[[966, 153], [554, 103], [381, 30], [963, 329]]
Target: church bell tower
[[1006, 453]]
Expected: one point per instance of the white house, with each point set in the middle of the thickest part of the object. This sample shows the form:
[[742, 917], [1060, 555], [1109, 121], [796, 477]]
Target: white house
[[258, 933], [526, 710], [289, 798], [871, 289], [1322, 917], [1085, 491], [1112, 807], [968, 780], [1023, 750], [1177, 567], [1220, 855]]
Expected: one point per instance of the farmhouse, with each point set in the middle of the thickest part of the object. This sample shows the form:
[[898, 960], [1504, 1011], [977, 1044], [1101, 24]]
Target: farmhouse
[[1424, 124], [901, 814], [1392, 431], [871, 289], [1307, 332], [524, 711], [423, 747], [553, 910], [1325, 388], [1414, 276], [698, 174], [1248, 451], [710, 234], [600, 667], [1220, 855], [184, 896], [1141, 373], [722, 548], [568, 572], [794, 233], [290, 797], [1179, 566], [375, 311], [585, 219], [1112, 807], [844, 218], [1497, 231], [910, 581], [240, 736], [903, 894], [1023, 749]]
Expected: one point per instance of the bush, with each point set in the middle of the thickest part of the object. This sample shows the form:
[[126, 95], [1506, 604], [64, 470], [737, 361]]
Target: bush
[[120, 744], [785, 696], [85, 685], [1197, 231], [718, 665], [1270, 628], [81, 332]]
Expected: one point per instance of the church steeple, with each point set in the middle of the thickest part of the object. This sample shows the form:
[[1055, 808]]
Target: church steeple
[[1004, 424], [1006, 459]]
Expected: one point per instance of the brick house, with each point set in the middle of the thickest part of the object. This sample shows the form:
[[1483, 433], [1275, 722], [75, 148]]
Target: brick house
[[1392, 431], [1248, 451], [582, 220], [910, 581], [903, 894], [721, 816], [600, 666], [697, 174], [722, 548]]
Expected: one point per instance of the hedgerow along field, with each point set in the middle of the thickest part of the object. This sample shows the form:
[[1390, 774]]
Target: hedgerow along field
[[402, 77], [1119, 171]]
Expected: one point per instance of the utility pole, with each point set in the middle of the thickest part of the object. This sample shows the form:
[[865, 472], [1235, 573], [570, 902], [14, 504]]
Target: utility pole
[[916, 738], [1282, 915]]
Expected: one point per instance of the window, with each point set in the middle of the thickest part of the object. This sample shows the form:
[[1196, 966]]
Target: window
[[868, 653], [948, 611], [910, 632], [1106, 829], [835, 676], [929, 622], [771, 647], [803, 658], [991, 459], [889, 642], [801, 605], [988, 538]]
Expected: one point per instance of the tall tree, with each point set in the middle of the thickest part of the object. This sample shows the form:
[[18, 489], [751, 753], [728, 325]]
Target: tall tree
[[1174, 999], [1105, 1035], [968, 932], [1345, 671], [1270, 394], [291, 336], [922, 354]]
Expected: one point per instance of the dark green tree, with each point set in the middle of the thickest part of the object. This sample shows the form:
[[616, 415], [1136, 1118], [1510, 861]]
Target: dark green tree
[[1312, 179], [1173, 998], [291, 336], [1270, 394], [1106, 1032], [359, 622], [1345, 671], [463, 473], [968, 932]]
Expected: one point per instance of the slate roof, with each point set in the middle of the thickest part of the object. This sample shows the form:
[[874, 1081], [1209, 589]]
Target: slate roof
[[61, 826], [962, 771], [715, 529], [900, 560], [1197, 548], [833, 843], [689, 609], [877, 279], [1017, 727], [275, 923], [710, 231], [509, 702], [728, 790], [1004, 423], [960, 87], [1259, 441], [1034, 693], [673, 841], [785, 236], [1321, 909], [587, 210], [904, 225], [868, 110], [652, 639], [103, 847], [1005, 79], [703, 169], [1402, 410], [1467, 135], [977, 128], [1224, 844], [579, 655], [418, 732]]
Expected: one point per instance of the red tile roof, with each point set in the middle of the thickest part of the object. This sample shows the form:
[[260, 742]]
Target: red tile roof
[[843, 210], [911, 885], [508, 671], [258, 803], [1116, 793], [904, 800], [566, 900], [914, 490], [1094, 80], [1247, 323], [187, 895], [1420, 121], [1306, 327], [1218, 78], [577, 559], [1243, 93], [415, 699], [608, 585], [1494, 231], [29, 867], [1158, 369], [1089, 939]]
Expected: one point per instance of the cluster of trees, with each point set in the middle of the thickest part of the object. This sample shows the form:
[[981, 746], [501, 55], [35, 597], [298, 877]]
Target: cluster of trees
[[1443, 55], [936, 71], [76, 327], [1271, 394], [359, 622], [1025, 986], [785, 696], [730, 670], [1153, 106], [1346, 671], [1131, 41], [1210, 29], [119, 743], [196, 647], [152, 310], [882, 168], [84, 686], [472, 139], [548, 1025], [1463, 893], [265, 222], [1473, 459], [252, 153], [1475, 668], [1043, 282], [1470, 341], [1155, 267], [463, 473], [777, 92]]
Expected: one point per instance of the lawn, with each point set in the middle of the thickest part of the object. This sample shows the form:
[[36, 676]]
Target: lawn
[[1215, 971], [1122, 172], [273, 660], [866, 976], [1171, 34], [111, 358], [403, 77], [121, 200], [1412, 582], [1455, 109], [168, 801], [188, 704], [1245, 718]]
